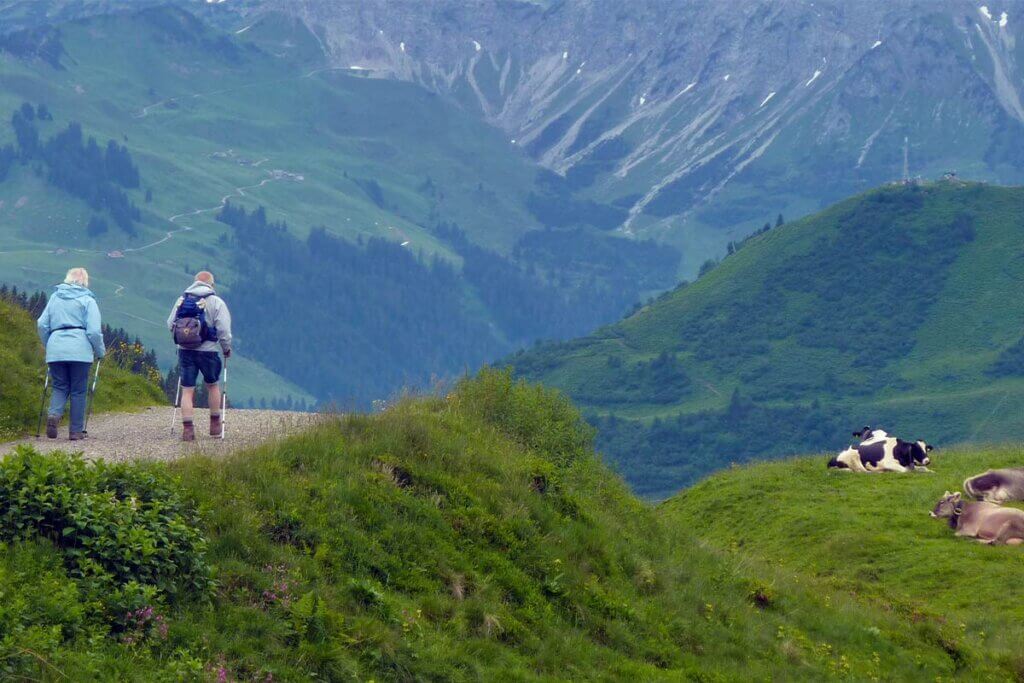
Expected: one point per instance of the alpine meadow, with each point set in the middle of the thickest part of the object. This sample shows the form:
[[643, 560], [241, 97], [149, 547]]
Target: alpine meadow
[[511, 340]]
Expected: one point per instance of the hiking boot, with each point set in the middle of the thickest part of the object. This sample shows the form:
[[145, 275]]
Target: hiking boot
[[216, 427], [51, 426], [77, 436], [188, 432]]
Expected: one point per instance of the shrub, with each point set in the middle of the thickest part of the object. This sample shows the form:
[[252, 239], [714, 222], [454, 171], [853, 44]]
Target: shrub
[[123, 529], [541, 419]]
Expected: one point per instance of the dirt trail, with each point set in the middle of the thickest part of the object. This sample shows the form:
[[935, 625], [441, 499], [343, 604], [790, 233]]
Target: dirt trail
[[146, 435]]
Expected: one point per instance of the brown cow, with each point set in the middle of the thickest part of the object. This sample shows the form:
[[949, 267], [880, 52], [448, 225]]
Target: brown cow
[[997, 486], [986, 522]]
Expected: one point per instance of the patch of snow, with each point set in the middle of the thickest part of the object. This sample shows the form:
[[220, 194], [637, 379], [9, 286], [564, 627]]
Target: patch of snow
[[726, 77], [513, 141], [565, 55], [405, 243], [356, 67], [770, 96], [580, 69], [817, 72], [984, 11], [643, 98], [876, 44], [688, 88], [477, 46], [401, 46], [243, 30], [1004, 19]]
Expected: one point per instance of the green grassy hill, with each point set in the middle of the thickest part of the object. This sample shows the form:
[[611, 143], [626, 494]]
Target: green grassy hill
[[870, 537], [210, 116], [22, 372], [900, 307], [471, 537]]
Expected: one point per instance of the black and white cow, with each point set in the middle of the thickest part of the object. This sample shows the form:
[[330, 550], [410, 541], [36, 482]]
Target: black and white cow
[[884, 455], [997, 486]]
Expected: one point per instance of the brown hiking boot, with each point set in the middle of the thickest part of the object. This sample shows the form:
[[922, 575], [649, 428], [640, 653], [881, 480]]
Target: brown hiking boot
[[77, 436], [216, 427], [51, 426], [188, 432]]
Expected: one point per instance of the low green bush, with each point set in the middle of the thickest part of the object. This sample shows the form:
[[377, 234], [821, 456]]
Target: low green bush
[[543, 420], [123, 529]]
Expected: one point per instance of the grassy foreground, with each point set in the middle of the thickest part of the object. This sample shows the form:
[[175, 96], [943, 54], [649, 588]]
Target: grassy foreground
[[23, 370], [471, 537], [871, 537]]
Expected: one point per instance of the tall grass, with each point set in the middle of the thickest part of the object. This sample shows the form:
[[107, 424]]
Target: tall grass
[[871, 537], [454, 539]]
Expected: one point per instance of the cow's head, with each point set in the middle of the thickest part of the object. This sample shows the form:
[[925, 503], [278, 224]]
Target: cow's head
[[911, 453], [948, 506], [920, 452]]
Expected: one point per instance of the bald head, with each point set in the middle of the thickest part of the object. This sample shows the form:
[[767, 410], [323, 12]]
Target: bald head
[[205, 276]]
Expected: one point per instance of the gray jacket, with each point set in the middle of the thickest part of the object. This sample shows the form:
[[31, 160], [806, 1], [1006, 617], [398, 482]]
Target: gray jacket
[[217, 315]]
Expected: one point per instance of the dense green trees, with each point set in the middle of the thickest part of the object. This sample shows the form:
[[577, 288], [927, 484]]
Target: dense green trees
[[77, 165], [351, 322]]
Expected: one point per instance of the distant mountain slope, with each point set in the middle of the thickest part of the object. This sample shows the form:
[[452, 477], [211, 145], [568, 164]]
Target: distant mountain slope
[[871, 537], [210, 116], [898, 307], [703, 119]]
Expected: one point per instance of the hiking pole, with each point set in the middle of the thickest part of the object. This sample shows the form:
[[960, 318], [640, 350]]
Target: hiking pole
[[177, 403], [224, 402], [42, 404], [90, 398]]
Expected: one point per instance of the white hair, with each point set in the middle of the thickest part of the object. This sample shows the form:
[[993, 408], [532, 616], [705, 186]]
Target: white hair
[[77, 276]]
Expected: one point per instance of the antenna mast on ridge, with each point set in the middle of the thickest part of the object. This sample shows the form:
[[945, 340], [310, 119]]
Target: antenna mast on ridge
[[906, 160]]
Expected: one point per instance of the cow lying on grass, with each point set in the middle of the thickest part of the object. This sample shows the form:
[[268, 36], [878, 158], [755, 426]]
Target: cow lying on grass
[[997, 486], [986, 522], [886, 454]]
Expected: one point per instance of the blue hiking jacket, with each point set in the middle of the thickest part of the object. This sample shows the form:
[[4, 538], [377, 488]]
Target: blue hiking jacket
[[73, 308]]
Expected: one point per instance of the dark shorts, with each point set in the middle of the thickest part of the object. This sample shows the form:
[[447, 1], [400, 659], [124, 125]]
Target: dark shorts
[[191, 363]]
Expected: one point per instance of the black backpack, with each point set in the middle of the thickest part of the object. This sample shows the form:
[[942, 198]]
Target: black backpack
[[190, 329]]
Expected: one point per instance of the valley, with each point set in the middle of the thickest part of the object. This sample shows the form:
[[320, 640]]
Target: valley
[[314, 146]]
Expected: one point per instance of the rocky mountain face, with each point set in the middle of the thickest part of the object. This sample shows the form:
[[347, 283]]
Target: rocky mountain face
[[699, 120], [705, 119]]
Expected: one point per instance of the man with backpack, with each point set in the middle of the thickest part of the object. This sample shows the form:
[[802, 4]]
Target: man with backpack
[[199, 323]]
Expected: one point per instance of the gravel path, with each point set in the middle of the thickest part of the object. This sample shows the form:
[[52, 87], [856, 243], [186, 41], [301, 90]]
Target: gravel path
[[147, 434]]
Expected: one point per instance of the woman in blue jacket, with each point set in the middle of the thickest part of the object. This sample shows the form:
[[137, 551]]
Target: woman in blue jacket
[[70, 329]]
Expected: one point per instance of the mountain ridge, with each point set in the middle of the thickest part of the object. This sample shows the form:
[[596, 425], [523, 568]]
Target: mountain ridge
[[883, 309]]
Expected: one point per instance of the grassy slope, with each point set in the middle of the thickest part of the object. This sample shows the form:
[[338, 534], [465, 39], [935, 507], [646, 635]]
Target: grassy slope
[[414, 547], [770, 321], [21, 377], [220, 94], [871, 537]]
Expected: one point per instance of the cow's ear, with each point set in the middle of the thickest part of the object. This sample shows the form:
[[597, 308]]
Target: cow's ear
[[956, 496], [929, 448], [947, 494]]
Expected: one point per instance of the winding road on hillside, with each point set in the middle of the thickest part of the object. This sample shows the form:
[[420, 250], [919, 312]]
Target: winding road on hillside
[[147, 435]]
